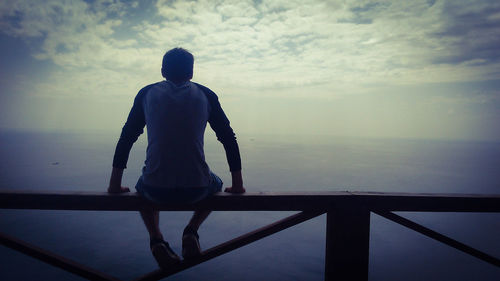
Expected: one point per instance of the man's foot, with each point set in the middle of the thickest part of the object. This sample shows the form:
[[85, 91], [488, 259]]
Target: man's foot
[[165, 257], [190, 243]]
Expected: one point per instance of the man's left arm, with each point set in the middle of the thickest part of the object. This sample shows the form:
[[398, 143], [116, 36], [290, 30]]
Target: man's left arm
[[220, 124]]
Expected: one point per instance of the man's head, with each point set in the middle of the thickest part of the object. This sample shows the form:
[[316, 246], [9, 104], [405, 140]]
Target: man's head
[[177, 65]]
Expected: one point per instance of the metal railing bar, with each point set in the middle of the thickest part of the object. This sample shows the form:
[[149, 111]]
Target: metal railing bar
[[439, 237], [262, 201], [234, 244], [54, 259], [311, 205]]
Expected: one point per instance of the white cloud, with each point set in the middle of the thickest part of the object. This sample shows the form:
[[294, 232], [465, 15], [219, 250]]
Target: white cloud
[[254, 53], [244, 45]]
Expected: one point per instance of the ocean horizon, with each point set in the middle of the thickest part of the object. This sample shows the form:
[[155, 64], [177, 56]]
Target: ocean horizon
[[117, 242]]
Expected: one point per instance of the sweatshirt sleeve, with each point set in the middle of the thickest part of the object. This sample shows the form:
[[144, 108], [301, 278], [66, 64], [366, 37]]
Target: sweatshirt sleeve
[[132, 129], [220, 124]]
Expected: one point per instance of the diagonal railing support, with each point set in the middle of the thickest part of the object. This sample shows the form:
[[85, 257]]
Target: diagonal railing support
[[439, 237], [234, 244], [54, 259]]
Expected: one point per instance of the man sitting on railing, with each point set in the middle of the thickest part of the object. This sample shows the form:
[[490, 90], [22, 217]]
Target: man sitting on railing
[[176, 112]]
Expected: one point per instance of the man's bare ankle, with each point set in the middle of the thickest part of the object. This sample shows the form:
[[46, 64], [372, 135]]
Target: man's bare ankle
[[156, 237], [190, 229]]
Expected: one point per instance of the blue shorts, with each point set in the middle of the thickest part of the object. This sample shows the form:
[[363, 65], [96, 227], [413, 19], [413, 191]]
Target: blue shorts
[[179, 195]]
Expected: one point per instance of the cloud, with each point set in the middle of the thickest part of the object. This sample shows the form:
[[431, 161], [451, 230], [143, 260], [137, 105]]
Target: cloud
[[471, 33], [111, 47], [79, 38], [363, 14], [66, 29]]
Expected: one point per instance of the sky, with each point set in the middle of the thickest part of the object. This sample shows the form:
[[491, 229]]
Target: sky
[[391, 69]]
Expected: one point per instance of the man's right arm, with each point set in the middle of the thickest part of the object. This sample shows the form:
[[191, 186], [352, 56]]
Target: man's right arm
[[132, 129]]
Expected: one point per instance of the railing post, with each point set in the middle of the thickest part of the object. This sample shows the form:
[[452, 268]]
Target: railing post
[[347, 244]]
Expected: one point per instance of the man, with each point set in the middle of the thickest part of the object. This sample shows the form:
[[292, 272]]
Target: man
[[176, 112]]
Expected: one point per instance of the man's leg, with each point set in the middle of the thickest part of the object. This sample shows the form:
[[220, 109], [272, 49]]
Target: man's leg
[[162, 252], [151, 219], [190, 239], [198, 218]]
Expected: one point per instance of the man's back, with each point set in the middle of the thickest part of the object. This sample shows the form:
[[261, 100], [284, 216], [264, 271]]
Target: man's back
[[176, 117], [176, 112]]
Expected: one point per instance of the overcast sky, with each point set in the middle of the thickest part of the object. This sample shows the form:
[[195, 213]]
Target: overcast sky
[[412, 69]]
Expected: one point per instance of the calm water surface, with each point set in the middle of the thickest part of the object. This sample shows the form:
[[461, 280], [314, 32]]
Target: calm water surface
[[117, 242]]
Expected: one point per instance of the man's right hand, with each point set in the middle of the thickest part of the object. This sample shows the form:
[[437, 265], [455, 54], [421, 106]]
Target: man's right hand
[[118, 189], [115, 182]]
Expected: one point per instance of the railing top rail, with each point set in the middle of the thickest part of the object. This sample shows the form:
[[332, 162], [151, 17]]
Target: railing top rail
[[262, 201]]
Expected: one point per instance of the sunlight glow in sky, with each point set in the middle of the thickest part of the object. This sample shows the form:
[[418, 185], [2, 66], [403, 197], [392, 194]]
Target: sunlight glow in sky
[[419, 69]]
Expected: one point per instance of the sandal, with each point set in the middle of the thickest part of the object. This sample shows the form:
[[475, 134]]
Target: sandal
[[190, 243], [164, 255]]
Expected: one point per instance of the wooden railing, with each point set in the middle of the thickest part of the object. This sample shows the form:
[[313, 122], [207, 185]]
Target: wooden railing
[[347, 231]]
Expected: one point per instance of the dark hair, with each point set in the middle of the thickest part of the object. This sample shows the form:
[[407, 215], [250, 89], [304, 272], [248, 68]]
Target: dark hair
[[177, 65]]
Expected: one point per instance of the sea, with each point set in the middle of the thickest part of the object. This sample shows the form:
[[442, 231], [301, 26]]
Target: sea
[[117, 243]]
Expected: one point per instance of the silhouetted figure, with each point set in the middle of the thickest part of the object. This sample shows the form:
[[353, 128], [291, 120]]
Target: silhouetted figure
[[176, 112]]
